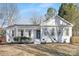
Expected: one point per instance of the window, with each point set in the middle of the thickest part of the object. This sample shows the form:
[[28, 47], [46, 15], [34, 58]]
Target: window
[[12, 33], [59, 31], [45, 31], [29, 33], [67, 31], [22, 32], [52, 32]]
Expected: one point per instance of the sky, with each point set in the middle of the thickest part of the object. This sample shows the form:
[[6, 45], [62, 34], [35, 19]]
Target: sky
[[26, 10]]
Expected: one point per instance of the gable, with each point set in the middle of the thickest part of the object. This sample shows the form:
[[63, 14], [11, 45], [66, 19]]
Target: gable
[[56, 21]]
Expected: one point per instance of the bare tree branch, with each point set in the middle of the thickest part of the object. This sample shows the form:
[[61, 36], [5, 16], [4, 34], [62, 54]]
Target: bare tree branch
[[8, 12]]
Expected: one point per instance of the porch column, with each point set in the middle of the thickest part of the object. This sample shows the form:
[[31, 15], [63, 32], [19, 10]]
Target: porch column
[[32, 35], [16, 32], [41, 34], [56, 34], [24, 33]]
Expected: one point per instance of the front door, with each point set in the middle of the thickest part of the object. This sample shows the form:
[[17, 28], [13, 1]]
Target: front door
[[38, 34]]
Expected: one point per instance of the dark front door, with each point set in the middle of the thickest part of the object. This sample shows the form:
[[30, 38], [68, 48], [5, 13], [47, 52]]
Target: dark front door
[[22, 32], [38, 34]]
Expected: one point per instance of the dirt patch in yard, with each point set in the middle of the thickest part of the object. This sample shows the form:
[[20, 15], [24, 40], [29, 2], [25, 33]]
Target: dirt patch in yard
[[7, 50], [54, 49]]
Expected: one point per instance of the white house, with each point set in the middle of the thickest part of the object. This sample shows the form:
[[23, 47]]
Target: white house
[[55, 29]]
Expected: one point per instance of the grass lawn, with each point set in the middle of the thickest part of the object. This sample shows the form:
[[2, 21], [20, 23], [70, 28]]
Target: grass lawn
[[54, 49]]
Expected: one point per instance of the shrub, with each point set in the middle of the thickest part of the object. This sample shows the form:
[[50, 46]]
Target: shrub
[[16, 38], [2, 33], [75, 39], [21, 38]]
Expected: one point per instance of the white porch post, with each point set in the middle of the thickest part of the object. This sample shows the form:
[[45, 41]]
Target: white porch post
[[41, 33], [16, 32], [56, 35], [24, 33], [32, 35]]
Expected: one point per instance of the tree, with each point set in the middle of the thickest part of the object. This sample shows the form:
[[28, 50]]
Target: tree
[[50, 13], [36, 19], [8, 13], [70, 12]]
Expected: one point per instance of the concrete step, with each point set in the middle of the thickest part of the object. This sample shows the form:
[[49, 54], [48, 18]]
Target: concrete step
[[37, 41]]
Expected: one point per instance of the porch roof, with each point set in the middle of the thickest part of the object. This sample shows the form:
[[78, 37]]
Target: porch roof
[[38, 25], [23, 25]]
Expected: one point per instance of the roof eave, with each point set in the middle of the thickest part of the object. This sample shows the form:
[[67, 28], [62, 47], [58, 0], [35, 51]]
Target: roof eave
[[66, 21]]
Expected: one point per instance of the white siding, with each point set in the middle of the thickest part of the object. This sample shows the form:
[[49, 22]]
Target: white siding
[[49, 24]]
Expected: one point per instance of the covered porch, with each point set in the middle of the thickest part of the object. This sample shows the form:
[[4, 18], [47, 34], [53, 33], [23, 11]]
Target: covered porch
[[32, 33]]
